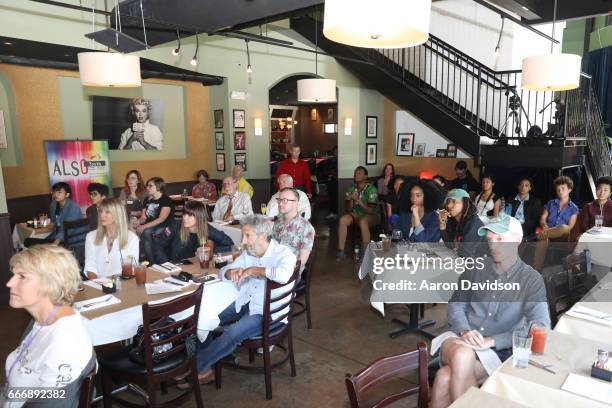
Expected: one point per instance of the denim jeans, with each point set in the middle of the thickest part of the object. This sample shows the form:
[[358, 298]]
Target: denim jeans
[[242, 327], [148, 235]]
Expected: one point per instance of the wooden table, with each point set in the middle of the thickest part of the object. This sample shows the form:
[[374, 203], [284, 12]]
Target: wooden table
[[22, 231]]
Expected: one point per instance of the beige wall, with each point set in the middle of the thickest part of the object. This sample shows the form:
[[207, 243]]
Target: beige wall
[[37, 99]]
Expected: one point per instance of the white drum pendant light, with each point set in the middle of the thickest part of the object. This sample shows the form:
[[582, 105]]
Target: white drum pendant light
[[551, 72], [377, 24], [109, 69]]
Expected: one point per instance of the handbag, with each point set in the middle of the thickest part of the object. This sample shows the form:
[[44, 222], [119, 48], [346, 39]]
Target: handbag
[[136, 353]]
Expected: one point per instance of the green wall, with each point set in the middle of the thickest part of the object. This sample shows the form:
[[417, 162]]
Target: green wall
[[3, 208], [573, 36], [10, 156]]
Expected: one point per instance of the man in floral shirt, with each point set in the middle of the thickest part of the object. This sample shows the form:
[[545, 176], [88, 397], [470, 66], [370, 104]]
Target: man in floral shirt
[[290, 229]]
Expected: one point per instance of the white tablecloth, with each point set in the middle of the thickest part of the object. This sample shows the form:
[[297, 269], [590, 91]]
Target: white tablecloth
[[21, 231], [122, 325], [599, 244], [475, 397], [234, 233]]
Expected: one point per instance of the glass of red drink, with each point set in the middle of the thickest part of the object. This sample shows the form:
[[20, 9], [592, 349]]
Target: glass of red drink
[[538, 333]]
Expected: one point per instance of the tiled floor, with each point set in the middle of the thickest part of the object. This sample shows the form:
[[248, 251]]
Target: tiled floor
[[347, 334]]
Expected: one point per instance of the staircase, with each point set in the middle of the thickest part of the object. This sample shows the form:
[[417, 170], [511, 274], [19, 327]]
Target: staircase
[[483, 111]]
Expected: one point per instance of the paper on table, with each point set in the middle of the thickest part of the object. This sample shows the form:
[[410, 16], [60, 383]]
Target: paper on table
[[97, 283], [588, 387], [161, 287], [591, 315], [488, 358], [96, 303], [166, 267]]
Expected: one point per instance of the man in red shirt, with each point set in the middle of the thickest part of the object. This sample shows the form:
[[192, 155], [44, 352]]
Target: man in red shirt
[[297, 169]]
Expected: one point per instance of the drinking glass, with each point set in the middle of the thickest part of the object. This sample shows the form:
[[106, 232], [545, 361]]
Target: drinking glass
[[538, 334], [127, 267], [203, 255], [386, 243], [396, 235], [598, 222], [264, 209], [521, 348], [141, 274]]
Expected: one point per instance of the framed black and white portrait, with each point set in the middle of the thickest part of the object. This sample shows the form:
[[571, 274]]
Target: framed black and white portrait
[[419, 149], [371, 153], [218, 116], [240, 158], [404, 144], [240, 140], [219, 141], [220, 161], [440, 152], [371, 127], [451, 150], [239, 118], [129, 123]]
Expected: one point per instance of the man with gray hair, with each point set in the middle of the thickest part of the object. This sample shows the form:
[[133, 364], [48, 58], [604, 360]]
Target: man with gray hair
[[263, 258], [484, 318], [303, 204], [232, 205]]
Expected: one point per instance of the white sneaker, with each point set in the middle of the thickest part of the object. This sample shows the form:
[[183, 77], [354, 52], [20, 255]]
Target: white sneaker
[[260, 349]]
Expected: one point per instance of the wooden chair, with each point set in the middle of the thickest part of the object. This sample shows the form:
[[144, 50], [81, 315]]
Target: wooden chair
[[567, 283], [75, 233], [385, 369], [303, 289], [274, 332], [181, 358], [87, 389]]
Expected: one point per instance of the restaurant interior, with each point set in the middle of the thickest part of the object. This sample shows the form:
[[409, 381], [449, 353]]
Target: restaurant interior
[[306, 203]]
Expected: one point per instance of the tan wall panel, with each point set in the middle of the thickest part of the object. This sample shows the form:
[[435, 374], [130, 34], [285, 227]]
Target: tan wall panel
[[39, 117]]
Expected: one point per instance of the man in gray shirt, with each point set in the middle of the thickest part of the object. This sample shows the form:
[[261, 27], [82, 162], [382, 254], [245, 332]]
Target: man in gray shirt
[[485, 318]]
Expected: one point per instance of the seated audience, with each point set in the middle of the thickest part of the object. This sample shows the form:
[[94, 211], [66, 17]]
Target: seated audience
[[55, 350], [439, 180], [242, 185], [421, 223], [290, 229], [487, 202], [464, 180], [526, 208], [384, 180], [459, 225], [157, 215], [600, 206], [263, 258], [97, 193], [204, 188], [111, 243], [133, 193], [362, 199], [393, 196], [61, 209], [286, 181], [182, 238], [298, 170], [557, 220], [480, 320], [232, 205]]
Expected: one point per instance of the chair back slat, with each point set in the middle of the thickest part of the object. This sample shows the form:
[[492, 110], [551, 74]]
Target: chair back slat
[[385, 369], [75, 231], [284, 301], [181, 329]]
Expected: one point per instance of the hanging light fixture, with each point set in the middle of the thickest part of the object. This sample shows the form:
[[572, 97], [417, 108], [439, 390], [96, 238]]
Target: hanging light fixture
[[377, 24], [249, 68], [551, 72], [176, 51], [194, 60], [316, 90], [496, 53]]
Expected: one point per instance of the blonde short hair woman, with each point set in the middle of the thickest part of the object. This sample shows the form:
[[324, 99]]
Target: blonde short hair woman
[[112, 243], [56, 350]]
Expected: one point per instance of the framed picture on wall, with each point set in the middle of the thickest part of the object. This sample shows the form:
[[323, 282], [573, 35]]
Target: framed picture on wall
[[220, 161], [239, 140], [419, 150], [219, 141], [313, 114], [371, 153], [240, 158], [330, 114], [239, 118], [371, 126], [451, 150], [440, 152], [404, 144], [218, 116]]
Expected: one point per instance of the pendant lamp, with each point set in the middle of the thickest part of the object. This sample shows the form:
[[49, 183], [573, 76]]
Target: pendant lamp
[[109, 69]]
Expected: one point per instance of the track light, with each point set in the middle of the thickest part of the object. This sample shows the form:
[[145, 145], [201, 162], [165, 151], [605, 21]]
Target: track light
[[177, 50], [194, 60], [497, 47], [249, 67]]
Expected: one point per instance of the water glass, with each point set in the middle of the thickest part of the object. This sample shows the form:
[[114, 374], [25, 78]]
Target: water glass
[[598, 222], [521, 348]]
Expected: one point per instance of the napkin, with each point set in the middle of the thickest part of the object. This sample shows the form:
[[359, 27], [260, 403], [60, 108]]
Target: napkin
[[161, 287], [588, 387], [167, 267], [97, 283], [591, 315], [96, 303]]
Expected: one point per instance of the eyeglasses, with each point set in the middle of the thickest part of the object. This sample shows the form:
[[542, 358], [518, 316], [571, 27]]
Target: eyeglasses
[[284, 200]]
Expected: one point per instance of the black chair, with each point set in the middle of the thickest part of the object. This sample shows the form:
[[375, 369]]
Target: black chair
[[87, 388], [274, 332], [385, 369], [303, 289], [163, 366], [566, 284], [74, 238]]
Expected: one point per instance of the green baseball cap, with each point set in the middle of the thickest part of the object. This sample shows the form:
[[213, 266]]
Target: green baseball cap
[[456, 194], [502, 225]]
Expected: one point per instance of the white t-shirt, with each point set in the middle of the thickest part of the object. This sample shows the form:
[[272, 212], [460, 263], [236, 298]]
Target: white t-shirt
[[104, 263], [56, 357]]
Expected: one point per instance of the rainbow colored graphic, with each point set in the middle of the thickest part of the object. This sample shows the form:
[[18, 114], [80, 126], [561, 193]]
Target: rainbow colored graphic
[[78, 163]]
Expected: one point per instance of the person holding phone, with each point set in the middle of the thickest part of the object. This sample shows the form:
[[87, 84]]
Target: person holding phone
[[142, 135]]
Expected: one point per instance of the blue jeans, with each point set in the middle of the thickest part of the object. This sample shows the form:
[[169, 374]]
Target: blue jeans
[[242, 327], [148, 235]]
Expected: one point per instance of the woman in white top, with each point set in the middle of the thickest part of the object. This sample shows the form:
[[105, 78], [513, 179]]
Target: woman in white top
[[487, 202], [111, 243], [56, 350]]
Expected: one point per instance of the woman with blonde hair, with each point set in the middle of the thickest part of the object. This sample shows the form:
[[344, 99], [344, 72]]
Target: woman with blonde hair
[[56, 350], [112, 243], [181, 239]]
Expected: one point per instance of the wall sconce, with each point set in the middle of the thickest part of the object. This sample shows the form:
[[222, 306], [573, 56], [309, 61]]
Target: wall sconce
[[258, 127], [348, 126]]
